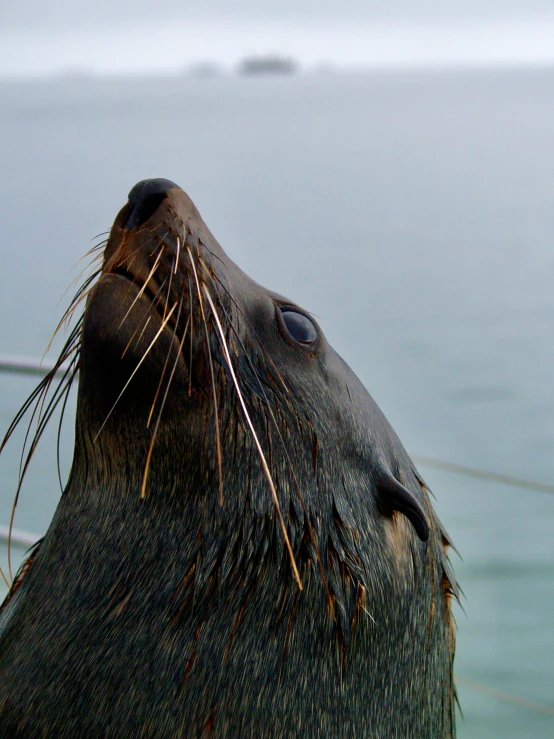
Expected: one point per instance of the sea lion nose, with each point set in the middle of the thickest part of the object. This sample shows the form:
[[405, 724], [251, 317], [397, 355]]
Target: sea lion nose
[[145, 199]]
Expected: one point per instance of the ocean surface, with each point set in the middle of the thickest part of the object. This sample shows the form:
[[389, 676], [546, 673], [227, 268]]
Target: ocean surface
[[413, 213]]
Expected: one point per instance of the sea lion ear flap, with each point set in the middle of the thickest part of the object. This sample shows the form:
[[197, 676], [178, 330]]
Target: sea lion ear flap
[[399, 498]]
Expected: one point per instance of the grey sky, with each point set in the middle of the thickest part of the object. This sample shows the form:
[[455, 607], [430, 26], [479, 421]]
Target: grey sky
[[45, 36], [42, 14]]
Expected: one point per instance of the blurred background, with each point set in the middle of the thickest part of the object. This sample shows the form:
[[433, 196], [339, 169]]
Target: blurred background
[[390, 167]]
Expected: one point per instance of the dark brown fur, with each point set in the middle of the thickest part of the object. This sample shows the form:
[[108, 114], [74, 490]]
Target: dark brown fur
[[163, 600]]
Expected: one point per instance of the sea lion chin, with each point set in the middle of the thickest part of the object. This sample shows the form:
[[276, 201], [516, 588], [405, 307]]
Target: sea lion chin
[[243, 547]]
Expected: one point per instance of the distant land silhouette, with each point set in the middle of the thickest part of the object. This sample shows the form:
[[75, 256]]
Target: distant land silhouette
[[268, 64]]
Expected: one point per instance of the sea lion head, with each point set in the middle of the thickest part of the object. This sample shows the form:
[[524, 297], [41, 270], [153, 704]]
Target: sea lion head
[[186, 351], [240, 520]]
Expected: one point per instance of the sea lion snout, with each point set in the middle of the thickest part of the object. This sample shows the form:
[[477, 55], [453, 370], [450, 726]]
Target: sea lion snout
[[145, 198]]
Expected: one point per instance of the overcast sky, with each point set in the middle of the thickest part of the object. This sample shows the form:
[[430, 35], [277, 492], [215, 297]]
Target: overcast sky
[[25, 14], [45, 36]]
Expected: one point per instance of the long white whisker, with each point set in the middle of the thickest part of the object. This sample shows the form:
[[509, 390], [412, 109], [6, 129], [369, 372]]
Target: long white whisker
[[263, 460], [216, 415], [155, 433], [177, 255]]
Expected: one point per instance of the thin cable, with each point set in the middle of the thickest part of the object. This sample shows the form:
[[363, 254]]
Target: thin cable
[[462, 469]]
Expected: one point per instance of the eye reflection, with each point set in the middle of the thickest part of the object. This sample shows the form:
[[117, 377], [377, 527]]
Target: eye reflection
[[299, 326]]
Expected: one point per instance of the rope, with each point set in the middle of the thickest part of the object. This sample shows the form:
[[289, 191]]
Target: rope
[[508, 697], [462, 469]]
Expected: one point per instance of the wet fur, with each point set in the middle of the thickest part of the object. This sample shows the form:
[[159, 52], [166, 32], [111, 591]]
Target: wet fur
[[173, 615]]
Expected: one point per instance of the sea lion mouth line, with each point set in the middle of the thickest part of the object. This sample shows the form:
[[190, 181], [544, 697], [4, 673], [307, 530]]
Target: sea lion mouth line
[[144, 287], [145, 354], [154, 297]]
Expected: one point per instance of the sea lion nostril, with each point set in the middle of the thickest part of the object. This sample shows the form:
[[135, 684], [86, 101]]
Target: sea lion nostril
[[145, 198]]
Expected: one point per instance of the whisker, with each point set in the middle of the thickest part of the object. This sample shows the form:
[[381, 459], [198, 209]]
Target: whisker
[[280, 435], [42, 422], [143, 288], [79, 296], [134, 334], [253, 330], [164, 367], [164, 324], [289, 463], [68, 315], [270, 410], [264, 354], [155, 433], [129, 257], [97, 254], [71, 347], [154, 302], [212, 373], [67, 377], [34, 397], [102, 233], [191, 335], [177, 254], [60, 423], [263, 461], [168, 291]]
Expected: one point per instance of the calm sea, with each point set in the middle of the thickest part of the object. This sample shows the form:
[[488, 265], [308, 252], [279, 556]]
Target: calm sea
[[414, 214]]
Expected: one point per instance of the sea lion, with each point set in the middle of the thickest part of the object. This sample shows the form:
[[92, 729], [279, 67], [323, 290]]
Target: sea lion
[[243, 547]]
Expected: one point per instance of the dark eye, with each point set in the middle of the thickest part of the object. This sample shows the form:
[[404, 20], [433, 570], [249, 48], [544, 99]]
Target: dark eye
[[299, 326]]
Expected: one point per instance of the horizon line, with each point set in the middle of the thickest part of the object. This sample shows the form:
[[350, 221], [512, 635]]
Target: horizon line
[[204, 69]]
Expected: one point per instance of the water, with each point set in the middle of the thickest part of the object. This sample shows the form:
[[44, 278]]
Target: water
[[414, 214]]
